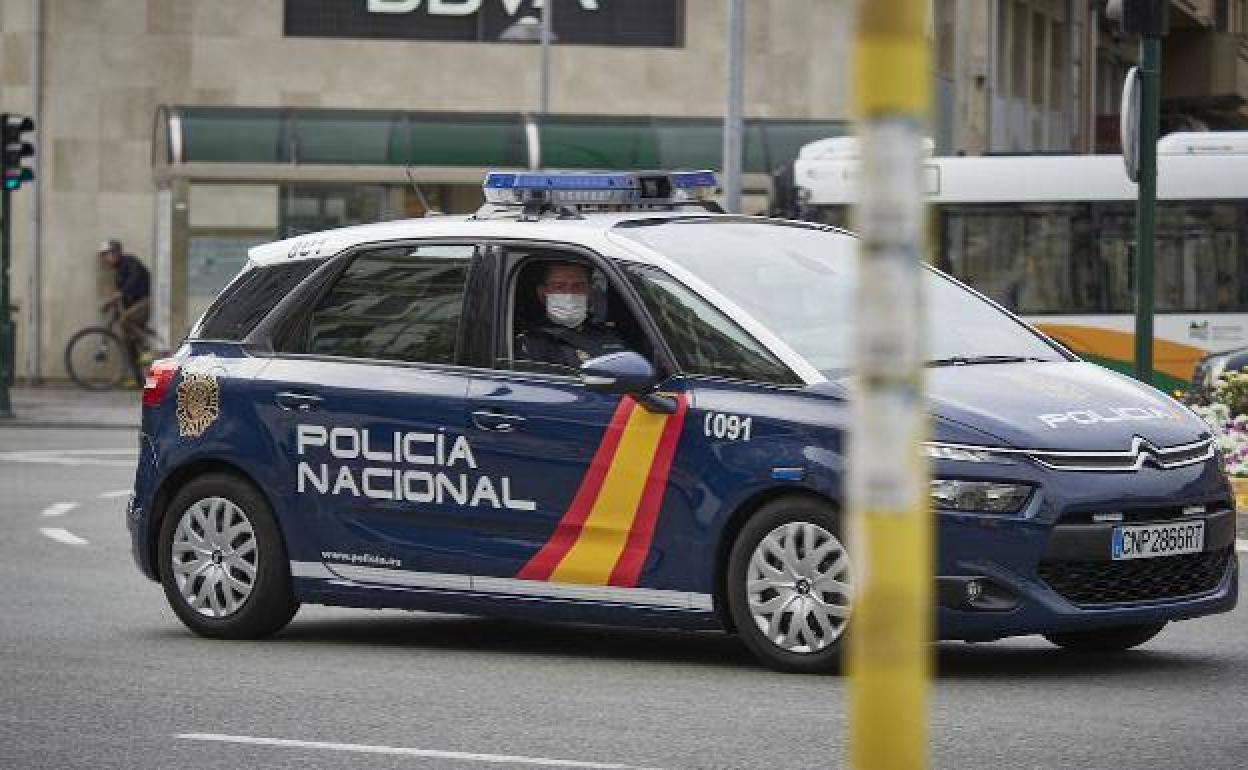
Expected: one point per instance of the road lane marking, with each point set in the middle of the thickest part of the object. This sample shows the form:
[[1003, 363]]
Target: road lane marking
[[74, 457], [114, 494], [1241, 546], [399, 751], [58, 509], [62, 536]]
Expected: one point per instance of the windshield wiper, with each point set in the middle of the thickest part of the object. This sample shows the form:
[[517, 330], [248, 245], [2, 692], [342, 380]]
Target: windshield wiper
[[994, 359]]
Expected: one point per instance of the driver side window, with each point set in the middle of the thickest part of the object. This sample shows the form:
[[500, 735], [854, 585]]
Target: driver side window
[[563, 311], [703, 339]]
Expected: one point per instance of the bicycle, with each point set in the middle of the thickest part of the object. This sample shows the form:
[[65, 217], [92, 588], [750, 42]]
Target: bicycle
[[100, 357]]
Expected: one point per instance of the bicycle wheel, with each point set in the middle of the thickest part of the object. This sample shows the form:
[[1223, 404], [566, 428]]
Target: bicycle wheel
[[96, 359]]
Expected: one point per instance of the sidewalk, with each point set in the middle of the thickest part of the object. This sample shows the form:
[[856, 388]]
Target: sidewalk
[[68, 406]]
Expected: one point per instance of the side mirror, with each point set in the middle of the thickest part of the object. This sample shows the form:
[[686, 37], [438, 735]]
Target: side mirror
[[630, 373], [625, 372]]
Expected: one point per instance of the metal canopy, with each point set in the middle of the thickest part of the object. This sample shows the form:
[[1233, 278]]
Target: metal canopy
[[379, 138]]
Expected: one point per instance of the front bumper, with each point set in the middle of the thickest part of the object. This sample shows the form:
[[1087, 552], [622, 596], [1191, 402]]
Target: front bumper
[[1037, 577]]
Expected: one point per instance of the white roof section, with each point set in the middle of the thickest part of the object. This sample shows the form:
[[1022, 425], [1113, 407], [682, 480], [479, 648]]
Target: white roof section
[[1200, 166], [589, 230]]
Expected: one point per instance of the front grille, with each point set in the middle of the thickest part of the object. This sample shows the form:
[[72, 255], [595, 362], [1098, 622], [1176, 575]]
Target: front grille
[[1136, 580], [1149, 515], [1140, 454]]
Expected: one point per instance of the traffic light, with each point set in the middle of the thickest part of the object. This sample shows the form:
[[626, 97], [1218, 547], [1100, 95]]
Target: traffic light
[[16, 149], [1150, 18]]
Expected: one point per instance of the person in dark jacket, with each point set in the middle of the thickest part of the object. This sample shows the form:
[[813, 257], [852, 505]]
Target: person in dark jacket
[[133, 294], [566, 337]]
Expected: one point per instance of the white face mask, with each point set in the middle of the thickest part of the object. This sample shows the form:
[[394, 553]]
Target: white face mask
[[567, 309]]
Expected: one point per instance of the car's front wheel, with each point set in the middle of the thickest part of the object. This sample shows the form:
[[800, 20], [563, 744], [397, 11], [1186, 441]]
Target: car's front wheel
[[790, 586], [223, 564], [1114, 639]]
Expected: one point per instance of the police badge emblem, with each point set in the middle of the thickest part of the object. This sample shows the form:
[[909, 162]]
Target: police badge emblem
[[198, 403]]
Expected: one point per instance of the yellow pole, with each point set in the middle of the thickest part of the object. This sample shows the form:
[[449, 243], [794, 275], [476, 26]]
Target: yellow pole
[[890, 522]]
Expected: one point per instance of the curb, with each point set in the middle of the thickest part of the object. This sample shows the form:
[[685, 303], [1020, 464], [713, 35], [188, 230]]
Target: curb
[[18, 422]]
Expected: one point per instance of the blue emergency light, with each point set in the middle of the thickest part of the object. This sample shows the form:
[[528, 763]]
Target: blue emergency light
[[612, 189]]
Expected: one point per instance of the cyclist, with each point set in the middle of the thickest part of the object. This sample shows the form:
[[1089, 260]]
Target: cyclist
[[132, 298]]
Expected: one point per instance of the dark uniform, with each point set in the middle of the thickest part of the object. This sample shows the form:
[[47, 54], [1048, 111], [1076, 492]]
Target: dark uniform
[[554, 344]]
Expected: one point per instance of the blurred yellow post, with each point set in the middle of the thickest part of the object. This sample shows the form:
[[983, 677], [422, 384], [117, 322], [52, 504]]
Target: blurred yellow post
[[890, 522]]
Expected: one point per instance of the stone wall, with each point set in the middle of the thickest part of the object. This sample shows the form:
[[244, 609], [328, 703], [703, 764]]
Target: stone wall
[[108, 65]]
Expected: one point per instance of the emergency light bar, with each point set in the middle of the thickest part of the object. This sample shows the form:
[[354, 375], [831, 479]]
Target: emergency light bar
[[598, 188]]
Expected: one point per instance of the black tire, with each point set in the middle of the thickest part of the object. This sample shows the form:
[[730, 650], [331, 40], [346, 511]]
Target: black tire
[[271, 602], [770, 517], [97, 359], [1116, 639]]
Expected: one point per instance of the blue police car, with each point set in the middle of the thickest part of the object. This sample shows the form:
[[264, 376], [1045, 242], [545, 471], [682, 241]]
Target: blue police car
[[599, 400]]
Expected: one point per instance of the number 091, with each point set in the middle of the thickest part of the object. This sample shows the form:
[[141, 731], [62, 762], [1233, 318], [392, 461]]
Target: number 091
[[727, 426]]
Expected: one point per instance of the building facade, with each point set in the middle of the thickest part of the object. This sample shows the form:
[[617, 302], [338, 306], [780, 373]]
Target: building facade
[[191, 130], [1025, 76], [279, 107]]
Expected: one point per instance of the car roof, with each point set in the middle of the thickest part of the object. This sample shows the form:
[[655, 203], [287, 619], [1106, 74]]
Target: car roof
[[589, 227]]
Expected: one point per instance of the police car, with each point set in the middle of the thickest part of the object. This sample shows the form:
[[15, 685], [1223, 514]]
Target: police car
[[363, 418]]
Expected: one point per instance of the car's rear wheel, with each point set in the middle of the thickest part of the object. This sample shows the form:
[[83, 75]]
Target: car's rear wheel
[[790, 587], [1114, 639], [222, 561]]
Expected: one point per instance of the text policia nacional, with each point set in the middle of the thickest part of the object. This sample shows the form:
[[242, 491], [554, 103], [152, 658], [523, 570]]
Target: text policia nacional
[[416, 467]]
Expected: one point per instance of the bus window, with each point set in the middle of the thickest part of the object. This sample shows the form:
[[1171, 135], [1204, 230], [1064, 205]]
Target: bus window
[[1201, 259]]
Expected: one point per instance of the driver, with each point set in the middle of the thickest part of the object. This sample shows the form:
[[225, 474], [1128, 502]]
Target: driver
[[566, 337]]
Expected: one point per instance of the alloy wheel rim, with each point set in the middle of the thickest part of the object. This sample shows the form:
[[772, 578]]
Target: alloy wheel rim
[[799, 586], [215, 557]]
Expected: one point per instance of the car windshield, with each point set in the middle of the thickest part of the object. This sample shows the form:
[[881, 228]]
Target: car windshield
[[799, 282]]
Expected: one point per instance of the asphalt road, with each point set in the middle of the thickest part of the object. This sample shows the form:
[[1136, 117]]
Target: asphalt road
[[95, 671]]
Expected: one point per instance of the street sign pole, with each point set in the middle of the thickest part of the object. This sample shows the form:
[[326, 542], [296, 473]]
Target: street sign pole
[[889, 517], [8, 352], [1146, 204]]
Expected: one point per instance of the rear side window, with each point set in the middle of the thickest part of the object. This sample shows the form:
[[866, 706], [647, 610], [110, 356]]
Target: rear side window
[[246, 301], [398, 304]]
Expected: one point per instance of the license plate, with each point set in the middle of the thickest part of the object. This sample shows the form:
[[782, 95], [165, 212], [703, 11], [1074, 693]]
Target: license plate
[[1148, 541]]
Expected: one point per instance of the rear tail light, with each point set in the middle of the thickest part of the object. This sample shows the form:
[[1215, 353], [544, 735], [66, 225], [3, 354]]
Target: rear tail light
[[160, 376]]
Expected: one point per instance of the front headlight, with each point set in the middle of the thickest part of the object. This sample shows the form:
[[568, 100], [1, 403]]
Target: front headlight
[[982, 496], [959, 453]]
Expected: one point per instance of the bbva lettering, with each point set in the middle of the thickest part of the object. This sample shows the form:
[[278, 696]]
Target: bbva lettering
[[458, 7]]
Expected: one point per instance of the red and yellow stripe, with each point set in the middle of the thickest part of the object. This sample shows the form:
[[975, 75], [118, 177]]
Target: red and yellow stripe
[[605, 535]]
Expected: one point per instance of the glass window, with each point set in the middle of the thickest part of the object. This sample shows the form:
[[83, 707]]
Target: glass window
[[800, 283], [703, 339], [538, 343], [1202, 259], [1076, 257], [1058, 69], [946, 39], [1039, 47], [251, 296], [1018, 55], [1003, 49], [400, 304]]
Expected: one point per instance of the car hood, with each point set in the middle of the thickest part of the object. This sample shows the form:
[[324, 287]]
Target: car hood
[[1060, 405]]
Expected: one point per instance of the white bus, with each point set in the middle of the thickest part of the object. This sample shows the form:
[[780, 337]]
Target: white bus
[[1050, 236]]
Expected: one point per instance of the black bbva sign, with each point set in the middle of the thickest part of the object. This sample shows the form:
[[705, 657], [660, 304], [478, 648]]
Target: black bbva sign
[[657, 23]]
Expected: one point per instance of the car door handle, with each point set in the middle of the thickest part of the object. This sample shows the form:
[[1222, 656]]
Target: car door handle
[[297, 402], [496, 421]]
